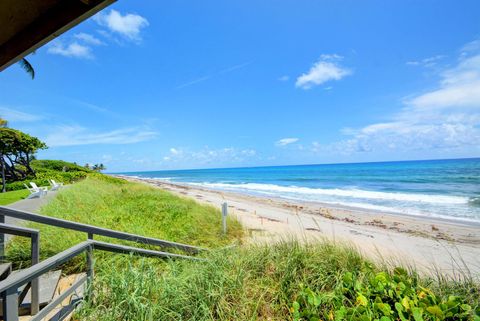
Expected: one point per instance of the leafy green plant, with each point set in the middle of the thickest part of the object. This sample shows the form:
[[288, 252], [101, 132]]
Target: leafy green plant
[[380, 296]]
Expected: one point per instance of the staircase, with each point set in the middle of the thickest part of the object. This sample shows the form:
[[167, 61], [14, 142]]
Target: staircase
[[51, 286], [40, 292]]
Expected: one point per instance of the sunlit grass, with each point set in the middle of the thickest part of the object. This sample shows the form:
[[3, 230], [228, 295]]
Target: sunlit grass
[[13, 196], [128, 207], [264, 282]]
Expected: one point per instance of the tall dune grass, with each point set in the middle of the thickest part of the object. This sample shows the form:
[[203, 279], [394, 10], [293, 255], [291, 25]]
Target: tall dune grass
[[128, 207], [282, 281]]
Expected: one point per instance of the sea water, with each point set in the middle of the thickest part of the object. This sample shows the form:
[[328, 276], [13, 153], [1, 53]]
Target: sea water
[[436, 188]]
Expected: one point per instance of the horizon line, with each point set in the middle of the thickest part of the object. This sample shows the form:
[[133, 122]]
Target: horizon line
[[291, 165]]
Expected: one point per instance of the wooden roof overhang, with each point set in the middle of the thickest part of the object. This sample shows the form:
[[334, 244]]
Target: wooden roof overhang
[[26, 25]]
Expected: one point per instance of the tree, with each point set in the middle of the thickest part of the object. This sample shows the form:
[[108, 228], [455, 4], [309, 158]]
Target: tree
[[98, 167], [25, 64], [17, 150], [3, 123]]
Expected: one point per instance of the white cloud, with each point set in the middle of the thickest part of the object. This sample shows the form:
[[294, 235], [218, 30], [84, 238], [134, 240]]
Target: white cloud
[[208, 156], [89, 39], [77, 135], [473, 46], [19, 116], [426, 62], [80, 44], [286, 141], [462, 95], [459, 87], [284, 78], [128, 25], [74, 49], [444, 119], [327, 68]]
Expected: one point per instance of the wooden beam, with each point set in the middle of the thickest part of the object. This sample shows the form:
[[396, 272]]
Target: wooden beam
[[48, 26]]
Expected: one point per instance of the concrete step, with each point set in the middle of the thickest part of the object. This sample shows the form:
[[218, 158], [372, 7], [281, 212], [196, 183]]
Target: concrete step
[[48, 285]]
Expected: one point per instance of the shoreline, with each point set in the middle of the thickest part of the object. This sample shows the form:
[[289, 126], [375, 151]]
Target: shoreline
[[448, 246]]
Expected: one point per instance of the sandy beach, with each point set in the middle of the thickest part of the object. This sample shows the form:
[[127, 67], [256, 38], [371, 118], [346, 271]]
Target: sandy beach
[[431, 245]]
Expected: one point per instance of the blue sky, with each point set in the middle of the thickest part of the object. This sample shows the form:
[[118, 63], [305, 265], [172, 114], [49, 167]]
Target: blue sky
[[149, 85]]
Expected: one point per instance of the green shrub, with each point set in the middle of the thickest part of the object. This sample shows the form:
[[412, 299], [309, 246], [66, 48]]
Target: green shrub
[[380, 296], [57, 165], [57, 170], [43, 176]]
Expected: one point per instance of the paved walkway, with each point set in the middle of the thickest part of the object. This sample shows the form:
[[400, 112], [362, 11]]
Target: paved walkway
[[32, 204], [28, 205]]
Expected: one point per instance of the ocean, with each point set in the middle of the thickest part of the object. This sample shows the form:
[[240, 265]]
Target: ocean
[[432, 188]]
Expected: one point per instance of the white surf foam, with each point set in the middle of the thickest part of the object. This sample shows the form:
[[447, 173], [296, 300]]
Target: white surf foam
[[272, 189]]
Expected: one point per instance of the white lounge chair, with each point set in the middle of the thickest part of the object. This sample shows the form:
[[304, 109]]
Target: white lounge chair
[[55, 185], [44, 190], [34, 192]]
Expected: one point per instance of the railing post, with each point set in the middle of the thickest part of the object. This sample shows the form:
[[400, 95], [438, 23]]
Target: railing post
[[89, 266], [35, 248], [10, 305], [2, 240]]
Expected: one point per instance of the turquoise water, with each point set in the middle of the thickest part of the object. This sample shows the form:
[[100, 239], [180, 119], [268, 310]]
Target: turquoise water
[[440, 188]]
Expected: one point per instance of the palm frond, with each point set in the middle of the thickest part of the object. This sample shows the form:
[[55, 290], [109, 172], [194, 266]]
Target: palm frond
[[27, 67]]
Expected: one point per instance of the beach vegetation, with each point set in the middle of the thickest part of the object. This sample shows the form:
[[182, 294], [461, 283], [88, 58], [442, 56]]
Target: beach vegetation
[[46, 170], [380, 295], [287, 280], [114, 203]]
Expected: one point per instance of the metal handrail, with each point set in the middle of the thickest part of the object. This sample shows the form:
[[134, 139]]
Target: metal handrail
[[25, 275], [58, 300], [93, 230], [35, 257], [9, 287], [124, 249]]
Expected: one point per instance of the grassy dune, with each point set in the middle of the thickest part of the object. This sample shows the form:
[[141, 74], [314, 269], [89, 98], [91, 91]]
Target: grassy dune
[[128, 207], [284, 281]]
